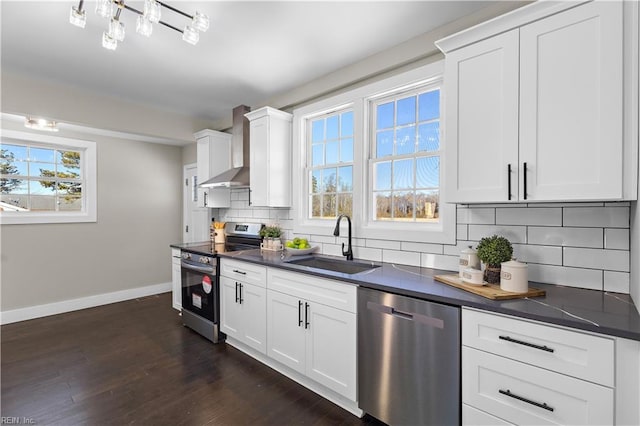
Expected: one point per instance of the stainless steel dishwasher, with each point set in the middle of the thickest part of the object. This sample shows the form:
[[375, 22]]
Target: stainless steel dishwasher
[[408, 359]]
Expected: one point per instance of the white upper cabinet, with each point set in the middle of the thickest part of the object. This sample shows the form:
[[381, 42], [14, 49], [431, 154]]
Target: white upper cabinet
[[213, 158], [270, 157], [482, 120], [535, 113]]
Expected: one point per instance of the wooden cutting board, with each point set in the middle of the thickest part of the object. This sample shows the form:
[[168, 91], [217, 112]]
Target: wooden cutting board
[[490, 291]]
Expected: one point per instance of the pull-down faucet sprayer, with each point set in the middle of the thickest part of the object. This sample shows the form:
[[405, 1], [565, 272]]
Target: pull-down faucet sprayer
[[336, 233]]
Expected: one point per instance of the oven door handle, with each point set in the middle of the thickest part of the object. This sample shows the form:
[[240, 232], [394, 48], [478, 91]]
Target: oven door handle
[[192, 267]]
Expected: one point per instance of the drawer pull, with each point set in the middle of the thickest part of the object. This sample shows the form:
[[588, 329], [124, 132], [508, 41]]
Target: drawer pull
[[523, 399], [531, 345], [239, 272]]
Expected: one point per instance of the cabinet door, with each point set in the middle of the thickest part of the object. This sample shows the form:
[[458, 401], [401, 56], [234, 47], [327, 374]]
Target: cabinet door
[[202, 153], [254, 311], [231, 317], [571, 104], [331, 349], [482, 121], [259, 161], [176, 279], [285, 330]]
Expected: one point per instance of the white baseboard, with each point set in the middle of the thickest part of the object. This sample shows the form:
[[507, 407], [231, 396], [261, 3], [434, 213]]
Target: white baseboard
[[38, 311]]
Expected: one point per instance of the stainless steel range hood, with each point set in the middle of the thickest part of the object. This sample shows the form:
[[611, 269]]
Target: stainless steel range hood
[[238, 176]]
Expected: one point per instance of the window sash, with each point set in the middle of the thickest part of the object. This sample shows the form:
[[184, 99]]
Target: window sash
[[87, 211]]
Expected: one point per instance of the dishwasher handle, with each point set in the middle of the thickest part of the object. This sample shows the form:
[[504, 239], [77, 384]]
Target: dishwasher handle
[[409, 316]]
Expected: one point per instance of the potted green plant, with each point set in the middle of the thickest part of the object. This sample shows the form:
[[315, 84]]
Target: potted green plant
[[492, 251], [270, 234]]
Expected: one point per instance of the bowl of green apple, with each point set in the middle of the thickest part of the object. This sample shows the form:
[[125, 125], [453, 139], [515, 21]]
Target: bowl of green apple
[[299, 246]]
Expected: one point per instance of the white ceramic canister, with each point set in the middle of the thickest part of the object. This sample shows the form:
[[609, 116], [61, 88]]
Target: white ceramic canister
[[513, 276], [472, 276], [468, 259]]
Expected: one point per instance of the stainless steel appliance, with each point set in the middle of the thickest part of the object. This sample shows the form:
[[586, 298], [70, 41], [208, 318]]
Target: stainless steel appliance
[[408, 359], [201, 279]]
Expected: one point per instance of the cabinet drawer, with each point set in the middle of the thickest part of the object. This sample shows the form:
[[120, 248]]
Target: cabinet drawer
[[473, 417], [577, 354], [328, 292], [244, 271], [523, 394]]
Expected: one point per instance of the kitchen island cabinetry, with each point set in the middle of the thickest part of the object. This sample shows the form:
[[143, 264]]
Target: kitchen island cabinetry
[[213, 157], [526, 372], [270, 157], [176, 279], [542, 112], [243, 303]]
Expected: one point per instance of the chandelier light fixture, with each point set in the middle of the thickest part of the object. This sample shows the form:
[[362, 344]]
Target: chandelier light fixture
[[151, 14]]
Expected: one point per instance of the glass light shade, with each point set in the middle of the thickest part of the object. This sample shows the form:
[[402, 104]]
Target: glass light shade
[[144, 26], [200, 21], [109, 42], [41, 124], [152, 10], [104, 8], [116, 30], [190, 35], [78, 17]]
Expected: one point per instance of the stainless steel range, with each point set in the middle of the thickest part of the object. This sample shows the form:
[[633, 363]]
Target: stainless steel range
[[201, 279]]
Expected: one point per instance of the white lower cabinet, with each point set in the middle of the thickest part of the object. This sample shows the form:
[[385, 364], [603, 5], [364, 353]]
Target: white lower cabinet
[[524, 394], [176, 279], [242, 312], [311, 337], [473, 416], [243, 303], [528, 373]]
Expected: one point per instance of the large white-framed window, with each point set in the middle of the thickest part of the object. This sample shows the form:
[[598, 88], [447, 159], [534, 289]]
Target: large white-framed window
[[405, 152], [405, 155], [46, 179]]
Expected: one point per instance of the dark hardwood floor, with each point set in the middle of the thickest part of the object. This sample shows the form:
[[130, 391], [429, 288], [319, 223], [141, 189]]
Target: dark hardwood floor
[[134, 363]]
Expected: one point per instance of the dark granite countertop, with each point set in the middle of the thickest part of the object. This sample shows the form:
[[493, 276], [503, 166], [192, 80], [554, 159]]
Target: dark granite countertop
[[601, 312]]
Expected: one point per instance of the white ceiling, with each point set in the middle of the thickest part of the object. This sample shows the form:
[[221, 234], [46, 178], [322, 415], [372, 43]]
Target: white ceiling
[[253, 51]]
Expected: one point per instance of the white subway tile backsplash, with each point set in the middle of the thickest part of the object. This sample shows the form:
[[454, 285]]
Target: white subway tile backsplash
[[367, 254], [574, 237], [548, 255], [611, 260], [617, 282], [462, 232], [616, 238], [598, 217], [450, 250], [529, 216], [421, 247], [438, 261], [575, 244], [384, 244], [401, 257], [515, 234], [562, 275], [481, 216]]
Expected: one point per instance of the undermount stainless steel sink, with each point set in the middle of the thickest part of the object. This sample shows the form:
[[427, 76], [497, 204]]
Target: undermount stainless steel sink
[[343, 266]]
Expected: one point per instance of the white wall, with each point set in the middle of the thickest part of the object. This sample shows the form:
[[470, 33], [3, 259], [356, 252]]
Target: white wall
[[126, 252], [582, 245]]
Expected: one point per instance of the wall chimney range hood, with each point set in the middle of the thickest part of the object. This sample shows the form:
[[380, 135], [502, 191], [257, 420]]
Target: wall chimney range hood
[[238, 176]]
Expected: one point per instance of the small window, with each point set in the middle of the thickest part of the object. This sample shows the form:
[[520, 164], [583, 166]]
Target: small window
[[405, 156], [330, 141], [46, 179]]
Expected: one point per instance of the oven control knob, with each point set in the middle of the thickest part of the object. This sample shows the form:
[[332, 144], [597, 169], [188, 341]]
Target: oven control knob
[[186, 256], [205, 260]]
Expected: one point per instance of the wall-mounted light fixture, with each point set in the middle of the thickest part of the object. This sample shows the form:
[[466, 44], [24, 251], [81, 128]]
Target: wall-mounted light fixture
[[152, 13], [40, 124]]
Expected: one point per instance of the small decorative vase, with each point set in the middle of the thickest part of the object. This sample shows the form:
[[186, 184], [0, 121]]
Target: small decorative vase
[[492, 274]]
